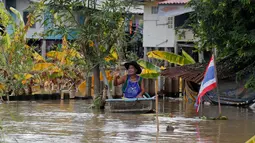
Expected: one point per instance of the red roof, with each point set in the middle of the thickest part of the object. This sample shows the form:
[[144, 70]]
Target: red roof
[[174, 2]]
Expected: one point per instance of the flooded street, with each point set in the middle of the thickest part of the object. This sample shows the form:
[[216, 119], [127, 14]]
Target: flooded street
[[73, 121]]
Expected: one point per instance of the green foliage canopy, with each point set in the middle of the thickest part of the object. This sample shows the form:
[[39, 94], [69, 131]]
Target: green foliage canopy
[[228, 25], [96, 28]]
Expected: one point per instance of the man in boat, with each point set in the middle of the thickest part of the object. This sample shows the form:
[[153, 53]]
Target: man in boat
[[133, 84]]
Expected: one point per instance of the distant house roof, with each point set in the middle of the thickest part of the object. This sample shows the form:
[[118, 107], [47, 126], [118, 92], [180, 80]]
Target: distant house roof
[[138, 9], [174, 2]]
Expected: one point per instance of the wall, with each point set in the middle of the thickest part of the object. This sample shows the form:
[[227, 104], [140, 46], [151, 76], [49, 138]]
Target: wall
[[22, 5], [154, 33], [4, 1]]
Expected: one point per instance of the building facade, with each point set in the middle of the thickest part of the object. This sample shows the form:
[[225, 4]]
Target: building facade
[[163, 28], [45, 44]]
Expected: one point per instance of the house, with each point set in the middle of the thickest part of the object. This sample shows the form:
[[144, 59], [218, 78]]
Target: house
[[162, 22], [44, 44], [163, 29]]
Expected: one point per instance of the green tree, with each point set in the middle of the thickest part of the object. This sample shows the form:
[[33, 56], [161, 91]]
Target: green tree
[[226, 25], [98, 30], [15, 57]]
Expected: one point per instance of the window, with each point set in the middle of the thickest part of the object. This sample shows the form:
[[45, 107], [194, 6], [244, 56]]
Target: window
[[10, 3], [180, 20], [170, 22], [25, 14], [154, 10]]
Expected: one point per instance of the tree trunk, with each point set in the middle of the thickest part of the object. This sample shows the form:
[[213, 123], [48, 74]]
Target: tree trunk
[[96, 73], [1, 99], [30, 90], [103, 98], [88, 86], [106, 83]]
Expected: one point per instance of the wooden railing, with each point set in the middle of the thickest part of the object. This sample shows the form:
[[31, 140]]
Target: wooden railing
[[184, 35]]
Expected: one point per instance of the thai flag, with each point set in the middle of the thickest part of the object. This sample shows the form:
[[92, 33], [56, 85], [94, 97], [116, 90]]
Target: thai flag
[[208, 83]]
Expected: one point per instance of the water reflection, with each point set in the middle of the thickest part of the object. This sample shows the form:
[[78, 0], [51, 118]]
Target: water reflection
[[73, 121]]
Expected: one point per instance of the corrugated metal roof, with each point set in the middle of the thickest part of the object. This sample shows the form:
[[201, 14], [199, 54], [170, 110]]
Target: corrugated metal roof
[[194, 73], [174, 2], [137, 9]]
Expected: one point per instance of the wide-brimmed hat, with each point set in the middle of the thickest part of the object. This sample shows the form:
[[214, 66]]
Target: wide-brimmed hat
[[135, 64]]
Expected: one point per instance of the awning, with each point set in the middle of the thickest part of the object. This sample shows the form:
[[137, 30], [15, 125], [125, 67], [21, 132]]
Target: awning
[[172, 10]]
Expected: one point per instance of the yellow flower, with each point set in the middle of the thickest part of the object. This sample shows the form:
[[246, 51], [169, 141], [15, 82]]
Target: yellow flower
[[26, 46], [64, 43], [2, 86], [91, 43], [162, 68]]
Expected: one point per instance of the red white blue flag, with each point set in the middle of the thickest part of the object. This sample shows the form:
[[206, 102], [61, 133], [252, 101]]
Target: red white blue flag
[[208, 83]]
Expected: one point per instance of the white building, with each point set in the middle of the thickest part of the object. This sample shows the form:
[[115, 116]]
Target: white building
[[161, 19]]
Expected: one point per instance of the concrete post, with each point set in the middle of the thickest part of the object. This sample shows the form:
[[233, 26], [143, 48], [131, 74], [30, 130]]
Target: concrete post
[[166, 63], [145, 53], [176, 50], [43, 48], [148, 50], [168, 81], [175, 81], [215, 52], [200, 57]]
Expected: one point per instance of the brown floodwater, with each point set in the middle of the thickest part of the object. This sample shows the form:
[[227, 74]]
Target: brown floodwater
[[74, 122]]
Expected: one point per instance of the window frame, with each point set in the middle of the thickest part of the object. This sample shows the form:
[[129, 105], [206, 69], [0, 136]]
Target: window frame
[[170, 22], [154, 10]]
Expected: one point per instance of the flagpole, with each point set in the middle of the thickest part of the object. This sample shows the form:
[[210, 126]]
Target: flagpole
[[216, 77]]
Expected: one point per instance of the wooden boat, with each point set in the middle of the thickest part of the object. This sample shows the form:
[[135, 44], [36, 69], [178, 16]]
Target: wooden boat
[[231, 101], [237, 96], [134, 105]]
